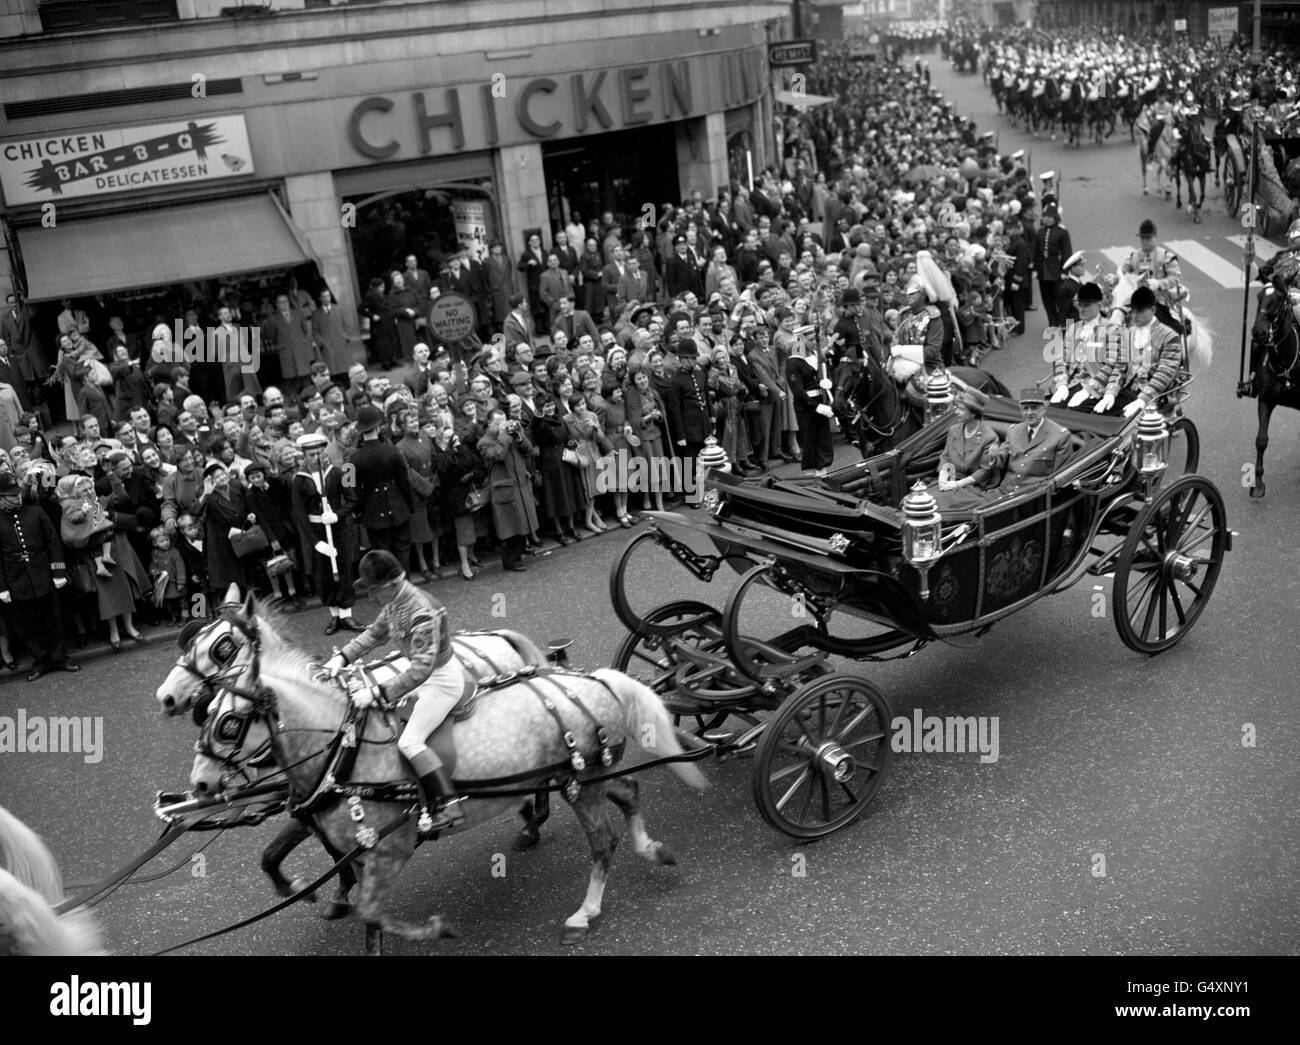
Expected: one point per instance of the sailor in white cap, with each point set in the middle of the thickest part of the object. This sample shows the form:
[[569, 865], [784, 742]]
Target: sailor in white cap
[[322, 507], [1073, 274]]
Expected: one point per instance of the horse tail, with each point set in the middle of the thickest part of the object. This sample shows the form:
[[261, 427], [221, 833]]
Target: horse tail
[[29, 926], [646, 723], [25, 856], [1200, 341]]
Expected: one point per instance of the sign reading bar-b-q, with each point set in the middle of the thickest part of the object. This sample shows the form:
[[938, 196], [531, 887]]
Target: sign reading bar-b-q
[[792, 52]]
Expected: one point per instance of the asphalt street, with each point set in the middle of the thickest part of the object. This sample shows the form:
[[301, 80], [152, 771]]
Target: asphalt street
[[1108, 761]]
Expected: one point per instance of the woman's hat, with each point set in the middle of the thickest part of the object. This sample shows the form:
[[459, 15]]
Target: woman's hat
[[975, 401], [213, 466]]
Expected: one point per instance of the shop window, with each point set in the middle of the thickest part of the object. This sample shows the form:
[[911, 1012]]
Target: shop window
[[63, 15]]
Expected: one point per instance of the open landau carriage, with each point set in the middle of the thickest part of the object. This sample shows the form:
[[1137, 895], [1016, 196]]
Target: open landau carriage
[[864, 564]]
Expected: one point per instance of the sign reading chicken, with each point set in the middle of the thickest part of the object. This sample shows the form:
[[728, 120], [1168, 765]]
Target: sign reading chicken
[[125, 159]]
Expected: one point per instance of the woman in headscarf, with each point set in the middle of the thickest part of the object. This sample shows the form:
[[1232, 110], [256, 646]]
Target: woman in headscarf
[[646, 414], [562, 494], [121, 581], [417, 450]]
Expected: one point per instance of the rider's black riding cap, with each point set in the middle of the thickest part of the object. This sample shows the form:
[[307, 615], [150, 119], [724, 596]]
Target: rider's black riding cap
[[1147, 228], [378, 567]]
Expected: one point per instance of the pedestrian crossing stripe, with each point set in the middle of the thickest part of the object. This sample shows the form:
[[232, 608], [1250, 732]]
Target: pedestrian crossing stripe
[[1223, 268]]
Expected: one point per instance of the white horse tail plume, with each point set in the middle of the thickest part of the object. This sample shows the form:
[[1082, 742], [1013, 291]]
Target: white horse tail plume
[[25, 856], [648, 725], [29, 926], [1200, 341], [30, 884]]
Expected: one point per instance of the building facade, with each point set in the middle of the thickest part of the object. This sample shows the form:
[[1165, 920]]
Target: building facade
[[152, 143]]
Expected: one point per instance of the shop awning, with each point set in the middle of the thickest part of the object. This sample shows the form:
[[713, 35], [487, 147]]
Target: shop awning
[[156, 247], [802, 101]]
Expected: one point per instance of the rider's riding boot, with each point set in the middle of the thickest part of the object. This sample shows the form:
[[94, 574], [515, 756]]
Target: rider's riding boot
[[440, 796]]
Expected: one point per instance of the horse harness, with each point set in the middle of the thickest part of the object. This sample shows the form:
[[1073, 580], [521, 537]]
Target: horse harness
[[335, 783]]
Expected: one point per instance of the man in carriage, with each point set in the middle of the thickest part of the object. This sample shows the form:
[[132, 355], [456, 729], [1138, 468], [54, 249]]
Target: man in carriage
[[1150, 365], [1080, 368]]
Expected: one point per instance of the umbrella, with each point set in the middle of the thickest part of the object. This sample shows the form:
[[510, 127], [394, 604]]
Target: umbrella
[[925, 172]]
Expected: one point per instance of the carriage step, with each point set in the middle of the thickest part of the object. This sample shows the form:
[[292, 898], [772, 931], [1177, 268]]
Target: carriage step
[[718, 737]]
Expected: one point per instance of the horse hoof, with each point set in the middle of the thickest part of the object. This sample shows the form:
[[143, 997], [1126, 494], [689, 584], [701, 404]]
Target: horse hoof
[[664, 855], [335, 910], [524, 841], [574, 934], [299, 885], [1257, 491], [442, 930]]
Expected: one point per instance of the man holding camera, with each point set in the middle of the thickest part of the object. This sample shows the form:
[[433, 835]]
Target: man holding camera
[[506, 449]]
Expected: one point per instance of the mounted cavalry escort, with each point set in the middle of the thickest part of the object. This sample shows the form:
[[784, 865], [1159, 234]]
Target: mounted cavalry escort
[[514, 734]]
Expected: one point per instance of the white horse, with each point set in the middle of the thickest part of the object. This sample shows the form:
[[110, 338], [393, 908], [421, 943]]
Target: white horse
[[277, 699], [1162, 157], [30, 886], [1200, 337]]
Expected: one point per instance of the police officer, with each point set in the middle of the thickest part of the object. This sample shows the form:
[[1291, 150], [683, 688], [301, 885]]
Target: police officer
[[320, 499], [383, 487], [31, 570], [417, 623]]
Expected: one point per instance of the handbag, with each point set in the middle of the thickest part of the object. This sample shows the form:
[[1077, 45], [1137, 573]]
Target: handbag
[[249, 542], [477, 498], [570, 456], [278, 564]]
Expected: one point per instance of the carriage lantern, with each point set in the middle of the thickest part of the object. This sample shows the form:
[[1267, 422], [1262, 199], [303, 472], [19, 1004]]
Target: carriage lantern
[[712, 459], [1151, 445], [922, 533], [938, 396]]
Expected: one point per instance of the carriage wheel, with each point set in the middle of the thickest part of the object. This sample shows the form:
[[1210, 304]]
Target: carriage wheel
[[823, 755], [1169, 564], [1184, 448], [1231, 188], [650, 657]]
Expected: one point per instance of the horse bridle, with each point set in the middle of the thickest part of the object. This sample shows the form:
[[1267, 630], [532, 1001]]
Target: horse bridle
[[223, 654], [860, 415], [1282, 328]]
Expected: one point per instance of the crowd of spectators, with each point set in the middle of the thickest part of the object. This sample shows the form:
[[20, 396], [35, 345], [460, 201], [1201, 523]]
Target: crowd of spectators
[[605, 357]]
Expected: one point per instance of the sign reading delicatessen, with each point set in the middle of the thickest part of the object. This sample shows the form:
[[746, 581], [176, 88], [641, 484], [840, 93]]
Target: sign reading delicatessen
[[124, 159]]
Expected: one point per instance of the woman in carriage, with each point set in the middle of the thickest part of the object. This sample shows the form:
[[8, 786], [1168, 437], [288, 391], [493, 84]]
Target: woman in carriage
[[967, 465]]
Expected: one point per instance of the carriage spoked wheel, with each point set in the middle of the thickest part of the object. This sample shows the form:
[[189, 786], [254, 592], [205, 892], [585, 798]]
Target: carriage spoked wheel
[[1231, 189], [1169, 564], [1184, 448], [651, 656], [822, 756]]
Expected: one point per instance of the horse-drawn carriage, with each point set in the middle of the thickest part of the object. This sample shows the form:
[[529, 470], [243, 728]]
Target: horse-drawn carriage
[[1259, 168], [865, 568]]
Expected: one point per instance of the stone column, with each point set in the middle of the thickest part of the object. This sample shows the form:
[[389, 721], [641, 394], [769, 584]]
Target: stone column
[[521, 196], [701, 154], [315, 209]]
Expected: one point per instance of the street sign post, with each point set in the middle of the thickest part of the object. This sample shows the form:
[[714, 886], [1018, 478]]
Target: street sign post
[[452, 317], [791, 52]]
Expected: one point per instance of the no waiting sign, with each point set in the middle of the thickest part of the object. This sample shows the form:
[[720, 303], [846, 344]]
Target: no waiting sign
[[792, 52], [452, 317]]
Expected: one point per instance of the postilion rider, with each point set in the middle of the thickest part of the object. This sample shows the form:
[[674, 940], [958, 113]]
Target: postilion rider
[[1157, 266], [417, 623]]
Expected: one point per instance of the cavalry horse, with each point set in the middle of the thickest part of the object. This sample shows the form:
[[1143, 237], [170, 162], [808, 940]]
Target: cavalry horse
[[207, 652], [1130, 107], [1191, 160], [1046, 106], [875, 412], [1101, 113], [1073, 111], [30, 887], [526, 728], [1162, 155], [1275, 367]]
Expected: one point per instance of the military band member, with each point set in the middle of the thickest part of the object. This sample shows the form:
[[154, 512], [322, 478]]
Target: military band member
[[1149, 365], [322, 502], [1079, 371]]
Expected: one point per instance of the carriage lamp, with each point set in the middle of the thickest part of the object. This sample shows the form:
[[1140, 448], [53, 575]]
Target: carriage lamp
[[938, 396], [922, 533], [712, 459], [1151, 444]]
